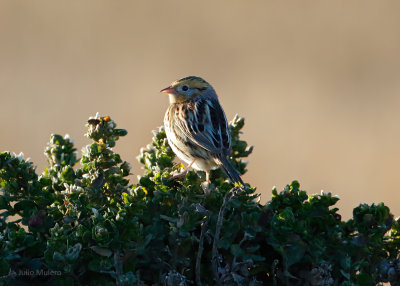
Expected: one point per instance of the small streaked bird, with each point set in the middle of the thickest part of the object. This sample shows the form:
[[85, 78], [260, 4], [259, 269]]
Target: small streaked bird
[[196, 127]]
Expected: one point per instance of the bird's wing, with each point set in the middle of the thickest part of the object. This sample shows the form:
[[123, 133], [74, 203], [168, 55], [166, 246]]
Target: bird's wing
[[204, 123]]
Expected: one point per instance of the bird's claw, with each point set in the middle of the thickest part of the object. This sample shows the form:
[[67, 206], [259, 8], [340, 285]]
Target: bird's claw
[[207, 187], [180, 175]]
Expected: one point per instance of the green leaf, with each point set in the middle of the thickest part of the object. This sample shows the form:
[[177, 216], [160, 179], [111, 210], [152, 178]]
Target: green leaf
[[4, 267], [120, 132], [345, 274], [24, 205], [3, 203], [294, 253], [100, 264], [101, 251], [57, 256], [73, 252], [236, 250], [365, 279]]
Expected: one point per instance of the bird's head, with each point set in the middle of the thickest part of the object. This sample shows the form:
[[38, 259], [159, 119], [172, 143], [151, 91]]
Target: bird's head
[[188, 88]]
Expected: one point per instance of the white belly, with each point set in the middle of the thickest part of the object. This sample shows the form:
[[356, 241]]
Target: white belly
[[183, 152]]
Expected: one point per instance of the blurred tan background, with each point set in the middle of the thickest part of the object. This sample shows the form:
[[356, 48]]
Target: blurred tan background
[[317, 81]]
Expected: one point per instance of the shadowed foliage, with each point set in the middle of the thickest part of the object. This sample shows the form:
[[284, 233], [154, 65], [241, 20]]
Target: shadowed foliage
[[88, 225]]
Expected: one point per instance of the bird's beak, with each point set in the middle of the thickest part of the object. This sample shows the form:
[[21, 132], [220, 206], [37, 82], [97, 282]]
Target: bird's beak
[[168, 90]]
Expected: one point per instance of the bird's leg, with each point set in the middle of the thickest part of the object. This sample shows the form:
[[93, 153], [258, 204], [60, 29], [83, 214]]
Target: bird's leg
[[208, 177], [183, 173]]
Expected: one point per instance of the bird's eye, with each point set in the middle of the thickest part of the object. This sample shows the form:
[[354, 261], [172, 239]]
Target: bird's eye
[[185, 88]]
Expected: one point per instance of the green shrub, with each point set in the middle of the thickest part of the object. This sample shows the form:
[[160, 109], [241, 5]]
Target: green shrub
[[88, 225]]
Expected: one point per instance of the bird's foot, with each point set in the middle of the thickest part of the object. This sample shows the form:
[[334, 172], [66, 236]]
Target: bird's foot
[[207, 187], [181, 175]]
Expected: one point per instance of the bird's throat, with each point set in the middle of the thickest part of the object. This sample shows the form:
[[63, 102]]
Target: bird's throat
[[176, 98]]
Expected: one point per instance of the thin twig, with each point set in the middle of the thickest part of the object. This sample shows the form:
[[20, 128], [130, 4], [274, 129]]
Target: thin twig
[[215, 255], [118, 267], [273, 269], [200, 251]]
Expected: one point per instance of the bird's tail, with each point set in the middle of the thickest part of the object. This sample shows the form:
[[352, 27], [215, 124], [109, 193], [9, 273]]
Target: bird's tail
[[233, 175]]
